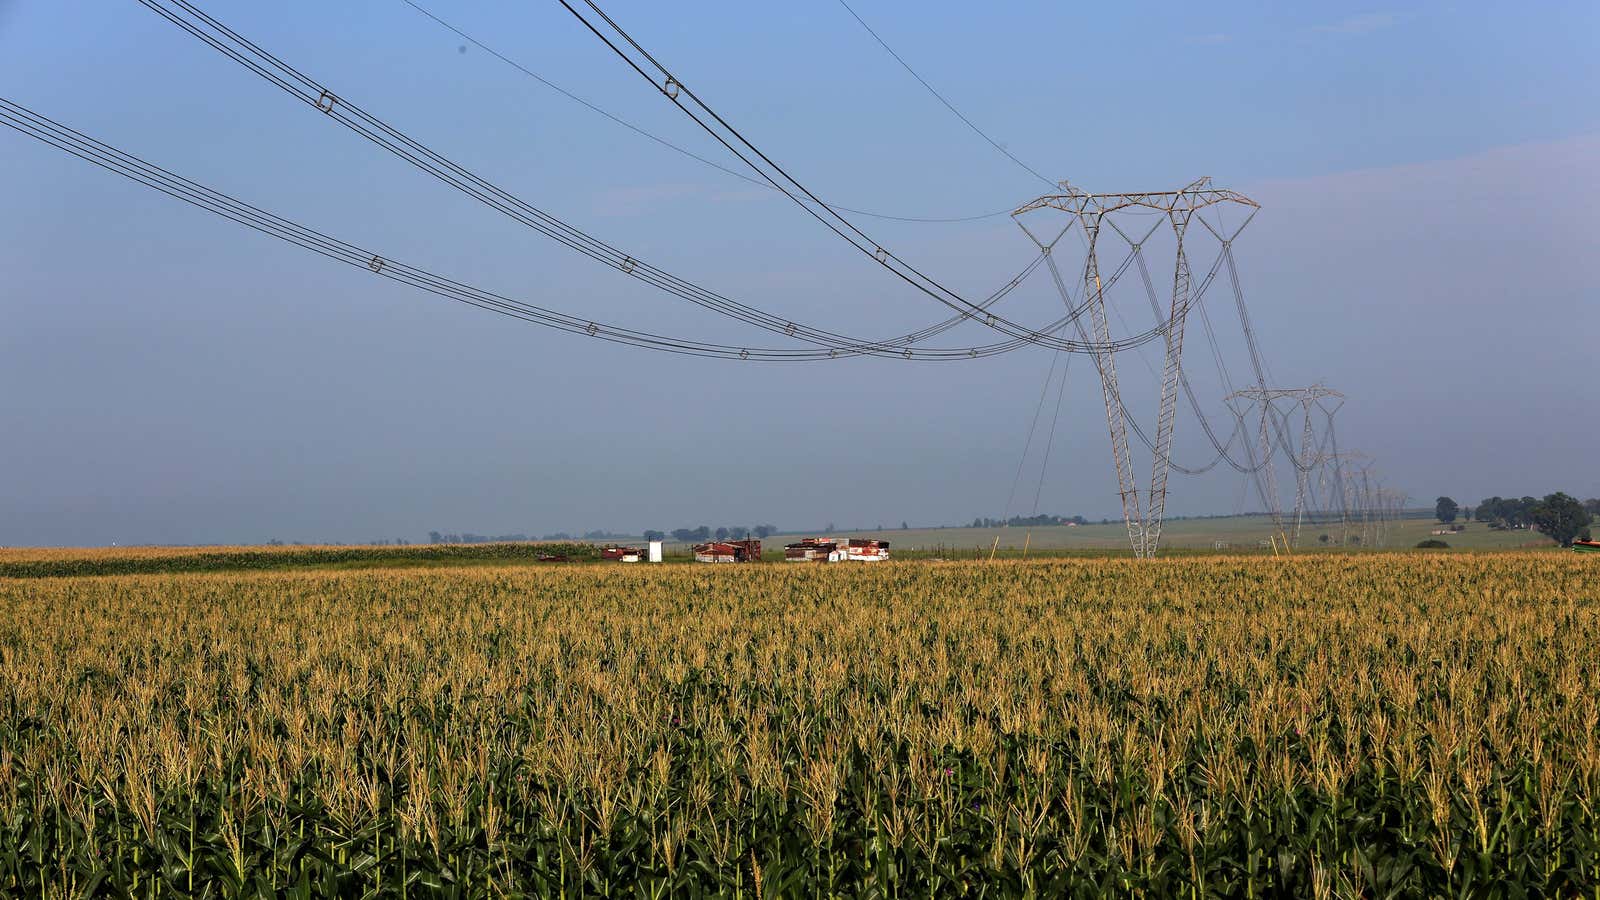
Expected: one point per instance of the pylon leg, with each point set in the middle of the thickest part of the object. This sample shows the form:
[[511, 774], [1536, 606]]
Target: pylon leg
[[1161, 462]]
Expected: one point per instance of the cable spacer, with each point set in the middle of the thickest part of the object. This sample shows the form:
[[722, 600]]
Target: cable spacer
[[627, 265], [907, 353], [592, 329], [833, 354], [973, 353], [744, 354], [671, 88], [881, 254], [789, 329], [326, 101], [375, 264]]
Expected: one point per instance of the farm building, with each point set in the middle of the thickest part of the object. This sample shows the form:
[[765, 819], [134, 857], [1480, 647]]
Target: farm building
[[624, 554], [826, 550], [728, 551], [811, 550], [865, 549]]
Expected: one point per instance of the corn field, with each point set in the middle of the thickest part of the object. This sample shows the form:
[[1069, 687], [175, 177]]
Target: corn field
[[1409, 725]]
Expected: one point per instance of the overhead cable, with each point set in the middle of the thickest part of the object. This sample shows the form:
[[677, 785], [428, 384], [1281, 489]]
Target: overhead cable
[[670, 145], [62, 137], [196, 22], [941, 98], [642, 62]]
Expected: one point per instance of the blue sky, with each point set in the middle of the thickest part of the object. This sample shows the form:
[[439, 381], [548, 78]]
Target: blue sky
[[1428, 176]]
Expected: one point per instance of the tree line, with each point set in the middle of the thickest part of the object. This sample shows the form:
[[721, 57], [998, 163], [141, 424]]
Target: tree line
[[705, 533], [1559, 516], [440, 537], [1028, 521]]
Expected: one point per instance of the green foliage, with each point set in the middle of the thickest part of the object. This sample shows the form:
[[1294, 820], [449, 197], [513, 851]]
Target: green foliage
[[1406, 726], [1560, 518], [1431, 544], [1501, 512], [233, 559], [1446, 510]]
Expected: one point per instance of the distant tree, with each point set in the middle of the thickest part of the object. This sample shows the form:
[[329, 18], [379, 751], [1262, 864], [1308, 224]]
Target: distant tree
[[1431, 544], [683, 535], [435, 537], [722, 534], [1592, 505], [904, 527], [829, 529], [650, 535], [763, 531], [738, 532], [1322, 538], [1503, 512], [1560, 518], [703, 533], [1446, 510]]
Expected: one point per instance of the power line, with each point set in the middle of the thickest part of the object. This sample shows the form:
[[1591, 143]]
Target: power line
[[763, 164], [75, 143], [297, 84], [1044, 464], [1049, 378], [668, 144], [941, 98], [240, 49]]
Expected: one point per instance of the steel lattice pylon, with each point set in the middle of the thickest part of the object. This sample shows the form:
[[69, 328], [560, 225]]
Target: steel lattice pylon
[[1308, 457], [1090, 212]]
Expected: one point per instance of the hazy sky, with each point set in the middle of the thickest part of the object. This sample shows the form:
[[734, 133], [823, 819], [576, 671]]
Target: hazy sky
[[1429, 176]]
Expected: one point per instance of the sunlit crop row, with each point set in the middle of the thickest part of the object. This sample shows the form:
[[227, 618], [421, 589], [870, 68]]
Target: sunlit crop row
[[1403, 725]]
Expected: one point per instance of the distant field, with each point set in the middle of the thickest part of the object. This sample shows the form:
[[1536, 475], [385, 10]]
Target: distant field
[[1240, 533]]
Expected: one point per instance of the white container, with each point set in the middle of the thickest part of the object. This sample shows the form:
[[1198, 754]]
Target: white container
[[655, 551]]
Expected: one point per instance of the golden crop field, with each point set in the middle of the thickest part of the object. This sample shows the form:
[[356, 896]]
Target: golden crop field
[[1380, 725]]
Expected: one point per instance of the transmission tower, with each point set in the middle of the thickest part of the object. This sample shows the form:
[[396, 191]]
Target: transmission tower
[[1091, 213], [1392, 502], [1337, 475], [1380, 507], [1278, 407]]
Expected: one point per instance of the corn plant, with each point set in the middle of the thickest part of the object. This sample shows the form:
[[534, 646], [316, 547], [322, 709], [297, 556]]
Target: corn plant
[[1409, 725]]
